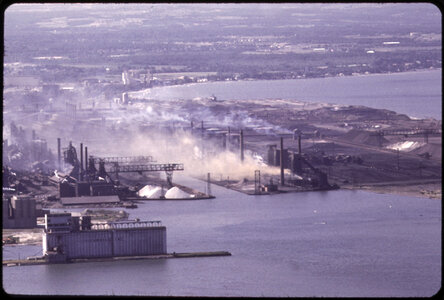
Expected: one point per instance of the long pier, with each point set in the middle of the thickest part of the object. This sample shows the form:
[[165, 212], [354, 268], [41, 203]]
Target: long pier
[[42, 261]]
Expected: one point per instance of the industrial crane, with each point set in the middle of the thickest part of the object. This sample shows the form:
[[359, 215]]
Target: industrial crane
[[169, 168]]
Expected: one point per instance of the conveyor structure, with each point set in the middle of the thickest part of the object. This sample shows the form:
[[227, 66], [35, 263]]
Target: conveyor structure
[[426, 132], [127, 166]]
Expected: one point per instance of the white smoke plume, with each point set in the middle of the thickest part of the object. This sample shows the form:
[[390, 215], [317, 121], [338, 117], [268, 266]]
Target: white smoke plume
[[199, 158]]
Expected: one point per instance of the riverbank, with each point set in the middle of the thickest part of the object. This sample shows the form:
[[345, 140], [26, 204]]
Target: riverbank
[[425, 190]]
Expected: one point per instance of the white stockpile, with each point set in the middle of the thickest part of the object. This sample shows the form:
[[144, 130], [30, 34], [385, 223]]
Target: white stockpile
[[175, 192], [150, 192], [406, 145], [155, 192]]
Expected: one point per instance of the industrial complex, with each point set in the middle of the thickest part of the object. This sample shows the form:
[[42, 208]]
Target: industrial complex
[[122, 148], [255, 147]]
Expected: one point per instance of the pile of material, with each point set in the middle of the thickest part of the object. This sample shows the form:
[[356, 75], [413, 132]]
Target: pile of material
[[429, 150], [176, 193], [150, 192], [155, 192], [364, 137], [406, 146]]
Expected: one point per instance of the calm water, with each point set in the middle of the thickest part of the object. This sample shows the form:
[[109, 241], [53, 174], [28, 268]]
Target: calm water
[[417, 94], [337, 243]]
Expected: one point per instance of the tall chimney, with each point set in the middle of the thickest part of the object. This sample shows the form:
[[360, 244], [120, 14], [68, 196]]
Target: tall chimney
[[33, 134], [242, 144], [59, 154], [299, 144], [81, 161], [282, 161], [86, 158], [228, 136]]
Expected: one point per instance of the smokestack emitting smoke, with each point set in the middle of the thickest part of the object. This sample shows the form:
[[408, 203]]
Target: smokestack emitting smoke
[[183, 147], [282, 161], [178, 147]]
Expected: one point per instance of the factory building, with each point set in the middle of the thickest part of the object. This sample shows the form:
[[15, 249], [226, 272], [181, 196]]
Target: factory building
[[19, 212], [67, 237], [274, 156]]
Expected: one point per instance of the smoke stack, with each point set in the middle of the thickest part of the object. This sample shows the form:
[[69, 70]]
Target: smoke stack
[[33, 134], [299, 144], [59, 154], [242, 145], [86, 158], [208, 185], [282, 161], [81, 161], [228, 136], [192, 125]]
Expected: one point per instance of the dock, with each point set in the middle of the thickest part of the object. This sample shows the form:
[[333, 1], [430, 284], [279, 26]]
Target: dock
[[169, 199], [42, 261]]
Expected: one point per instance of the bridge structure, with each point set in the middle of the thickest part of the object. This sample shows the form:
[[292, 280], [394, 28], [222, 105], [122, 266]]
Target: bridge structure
[[426, 132], [123, 159], [128, 164]]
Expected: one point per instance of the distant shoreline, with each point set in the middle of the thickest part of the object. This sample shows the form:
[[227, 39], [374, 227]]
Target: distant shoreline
[[296, 78], [307, 91]]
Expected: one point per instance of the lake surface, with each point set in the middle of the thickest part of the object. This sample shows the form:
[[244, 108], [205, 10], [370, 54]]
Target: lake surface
[[416, 94], [336, 243]]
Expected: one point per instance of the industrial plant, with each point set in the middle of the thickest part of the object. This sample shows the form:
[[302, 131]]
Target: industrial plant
[[258, 148], [107, 138]]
